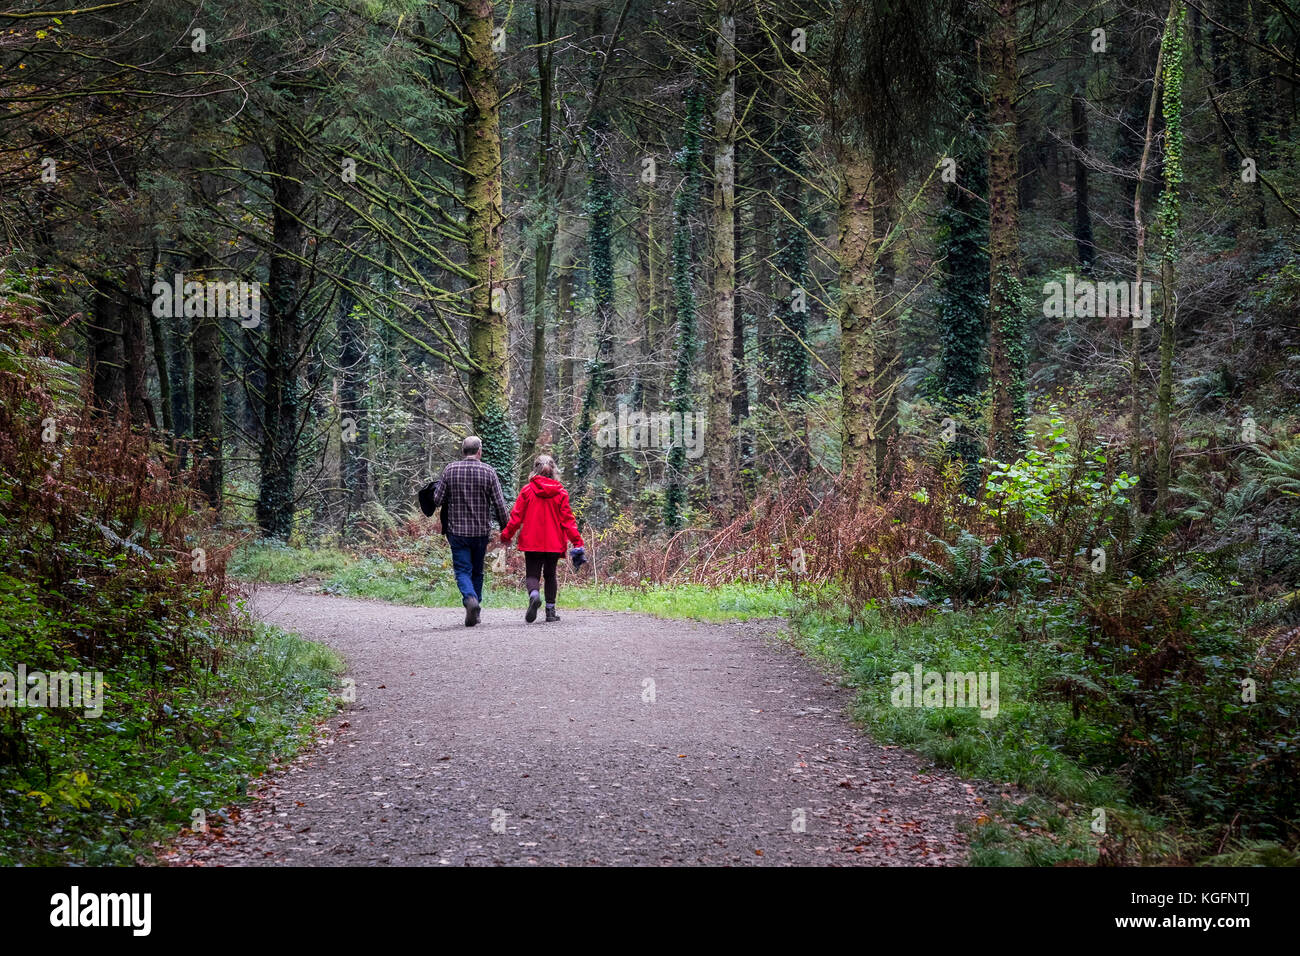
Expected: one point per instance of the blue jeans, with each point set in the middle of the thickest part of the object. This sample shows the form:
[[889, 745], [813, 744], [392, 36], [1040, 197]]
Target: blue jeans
[[467, 561]]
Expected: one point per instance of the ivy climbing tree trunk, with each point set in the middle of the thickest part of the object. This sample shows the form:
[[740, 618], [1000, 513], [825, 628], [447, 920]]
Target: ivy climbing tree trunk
[[489, 373], [1007, 304], [1170, 219], [721, 444], [963, 286], [600, 270]]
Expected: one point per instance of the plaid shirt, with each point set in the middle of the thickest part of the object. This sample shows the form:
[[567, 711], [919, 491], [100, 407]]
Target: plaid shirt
[[471, 493]]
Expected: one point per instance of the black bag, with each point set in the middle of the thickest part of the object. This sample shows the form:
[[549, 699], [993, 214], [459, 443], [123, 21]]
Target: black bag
[[425, 495]]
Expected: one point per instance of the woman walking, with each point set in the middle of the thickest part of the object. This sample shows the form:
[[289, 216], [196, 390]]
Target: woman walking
[[545, 523]]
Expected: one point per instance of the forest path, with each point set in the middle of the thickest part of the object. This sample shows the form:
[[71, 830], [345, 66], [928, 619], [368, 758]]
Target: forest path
[[546, 731]]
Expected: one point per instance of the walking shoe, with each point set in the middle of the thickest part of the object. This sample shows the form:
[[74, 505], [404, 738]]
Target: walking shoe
[[550, 614], [471, 611], [534, 602]]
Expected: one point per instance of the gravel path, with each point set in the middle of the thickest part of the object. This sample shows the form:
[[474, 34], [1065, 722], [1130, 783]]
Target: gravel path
[[604, 739]]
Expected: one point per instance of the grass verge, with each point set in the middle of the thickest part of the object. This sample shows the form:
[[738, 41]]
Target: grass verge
[[1054, 816], [97, 792], [423, 578]]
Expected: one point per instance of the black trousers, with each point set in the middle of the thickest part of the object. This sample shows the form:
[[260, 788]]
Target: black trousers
[[539, 564]]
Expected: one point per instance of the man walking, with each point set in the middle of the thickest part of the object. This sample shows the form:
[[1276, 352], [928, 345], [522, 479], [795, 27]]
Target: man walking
[[469, 494]]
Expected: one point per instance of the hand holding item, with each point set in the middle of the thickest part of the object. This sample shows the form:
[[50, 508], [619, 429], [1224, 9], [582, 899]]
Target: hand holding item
[[579, 557]]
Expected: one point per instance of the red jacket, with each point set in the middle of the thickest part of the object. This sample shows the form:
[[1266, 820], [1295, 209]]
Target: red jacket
[[542, 517]]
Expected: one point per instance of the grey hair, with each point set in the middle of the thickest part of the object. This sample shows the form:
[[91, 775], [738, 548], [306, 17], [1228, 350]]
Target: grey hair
[[472, 445], [544, 465]]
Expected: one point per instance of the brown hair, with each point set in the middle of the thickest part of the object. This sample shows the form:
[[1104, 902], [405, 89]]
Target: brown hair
[[544, 465]]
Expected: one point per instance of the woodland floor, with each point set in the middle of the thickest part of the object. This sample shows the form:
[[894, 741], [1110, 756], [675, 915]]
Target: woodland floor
[[548, 724]]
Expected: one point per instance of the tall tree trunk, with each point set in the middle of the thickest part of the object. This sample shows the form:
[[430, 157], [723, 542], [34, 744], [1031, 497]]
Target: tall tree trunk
[[543, 242], [353, 368], [103, 332], [763, 230], [566, 330], [1136, 391], [489, 375], [209, 407], [1007, 338], [790, 352], [135, 352], [601, 388], [684, 204], [963, 288], [646, 383], [1082, 213], [721, 445], [888, 359], [161, 356], [1170, 227], [282, 410], [182, 369], [857, 261], [740, 411]]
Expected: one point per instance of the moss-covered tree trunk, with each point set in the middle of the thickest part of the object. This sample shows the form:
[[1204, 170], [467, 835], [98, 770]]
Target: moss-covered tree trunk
[[1007, 307], [1137, 397], [888, 341], [721, 443], [1170, 219], [566, 329], [857, 262], [489, 374], [353, 370]]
